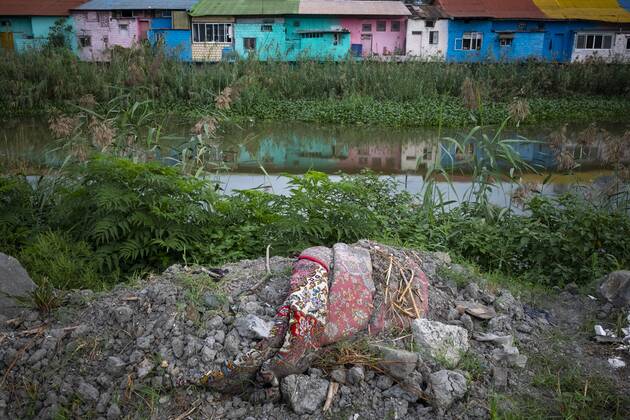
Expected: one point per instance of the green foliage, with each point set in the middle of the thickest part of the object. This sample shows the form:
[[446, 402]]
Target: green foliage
[[54, 259], [369, 92], [134, 216], [60, 33], [17, 213]]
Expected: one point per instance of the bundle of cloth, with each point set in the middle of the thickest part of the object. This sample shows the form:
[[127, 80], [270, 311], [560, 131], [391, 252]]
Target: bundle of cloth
[[335, 294]]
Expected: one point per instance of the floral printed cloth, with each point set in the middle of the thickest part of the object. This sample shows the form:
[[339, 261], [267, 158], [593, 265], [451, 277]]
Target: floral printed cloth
[[332, 297]]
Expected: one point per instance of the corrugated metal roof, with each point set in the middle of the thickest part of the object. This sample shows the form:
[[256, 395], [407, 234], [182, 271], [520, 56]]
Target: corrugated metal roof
[[137, 5], [425, 11], [37, 7], [499, 9], [353, 8], [244, 7], [602, 10]]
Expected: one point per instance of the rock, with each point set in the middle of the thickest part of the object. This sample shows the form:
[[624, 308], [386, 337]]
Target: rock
[[88, 392], [115, 366], [397, 391], [252, 327], [467, 322], [475, 309], [14, 283], [212, 301], [615, 288], [572, 288], [305, 395], [506, 303], [177, 344], [440, 341], [447, 387], [215, 323], [395, 409], [500, 324], [144, 342], [338, 375], [397, 363], [499, 377], [113, 412], [355, 375], [616, 363], [231, 345], [511, 356], [498, 340], [123, 314], [472, 291], [383, 382], [146, 366], [208, 354], [599, 330], [219, 336], [37, 356]]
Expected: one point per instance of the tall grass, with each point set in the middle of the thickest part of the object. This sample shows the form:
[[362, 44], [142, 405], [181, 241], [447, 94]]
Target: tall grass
[[35, 81]]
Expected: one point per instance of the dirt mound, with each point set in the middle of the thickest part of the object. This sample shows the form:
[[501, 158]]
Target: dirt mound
[[135, 351]]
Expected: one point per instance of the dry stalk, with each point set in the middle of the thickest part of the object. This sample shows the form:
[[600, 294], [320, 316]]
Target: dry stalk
[[332, 390]]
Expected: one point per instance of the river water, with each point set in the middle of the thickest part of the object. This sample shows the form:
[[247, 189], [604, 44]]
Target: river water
[[257, 155]]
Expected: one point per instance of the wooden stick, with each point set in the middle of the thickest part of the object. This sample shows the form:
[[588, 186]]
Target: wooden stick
[[332, 390], [267, 265], [389, 272], [187, 413]]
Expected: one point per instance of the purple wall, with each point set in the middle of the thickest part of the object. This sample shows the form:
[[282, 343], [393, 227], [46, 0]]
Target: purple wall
[[386, 42]]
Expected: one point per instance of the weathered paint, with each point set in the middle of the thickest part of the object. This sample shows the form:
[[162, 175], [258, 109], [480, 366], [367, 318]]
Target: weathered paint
[[418, 39], [322, 48], [541, 40], [386, 42], [619, 50], [105, 32], [32, 31], [596, 10], [176, 42], [270, 44]]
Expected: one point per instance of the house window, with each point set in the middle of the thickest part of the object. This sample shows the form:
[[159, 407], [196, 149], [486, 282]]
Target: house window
[[249, 44], [433, 37], [312, 35], [266, 28], [470, 41], [103, 19], [408, 157], [166, 13], [594, 42], [505, 42], [429, 23], [381, 26], [522, 26], [85, 41], [395, 26], [126, 13], [92, 16], [628, 43], [336, 39], [427, 153], [123, 29], [416, 32], [366, 27], [212, 32], [105, 40]]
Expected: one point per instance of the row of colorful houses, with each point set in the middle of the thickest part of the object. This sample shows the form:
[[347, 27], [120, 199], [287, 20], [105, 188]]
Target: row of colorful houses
[[289, 30]]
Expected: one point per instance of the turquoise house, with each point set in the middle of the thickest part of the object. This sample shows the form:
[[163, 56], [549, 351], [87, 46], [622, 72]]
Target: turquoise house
[[27, 24]]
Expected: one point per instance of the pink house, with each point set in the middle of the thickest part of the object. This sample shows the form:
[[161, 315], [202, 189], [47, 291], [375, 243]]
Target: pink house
[[384, 35], [378, 157], [99, 31]]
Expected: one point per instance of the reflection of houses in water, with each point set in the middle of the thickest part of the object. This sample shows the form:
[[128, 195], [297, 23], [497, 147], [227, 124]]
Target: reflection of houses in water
[[537, 155], [293, 154], [417, 155], [379, 158]]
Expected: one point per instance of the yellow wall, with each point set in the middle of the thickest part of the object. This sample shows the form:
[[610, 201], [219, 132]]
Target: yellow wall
[[604, 10]]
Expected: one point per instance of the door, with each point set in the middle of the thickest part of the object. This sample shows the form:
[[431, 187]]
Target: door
[[366, 44], [419, 44], [557, 47], [143, 28], [6, 41]]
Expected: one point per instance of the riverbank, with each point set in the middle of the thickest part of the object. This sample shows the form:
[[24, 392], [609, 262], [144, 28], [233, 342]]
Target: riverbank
[[369, 93]]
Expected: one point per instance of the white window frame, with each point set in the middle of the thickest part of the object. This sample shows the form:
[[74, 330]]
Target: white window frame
[[505, 42], [474, 38], [214, 32], [594, 36]]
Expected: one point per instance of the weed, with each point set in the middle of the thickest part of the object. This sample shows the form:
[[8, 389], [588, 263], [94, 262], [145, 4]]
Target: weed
[[45, 298], [473, 365]]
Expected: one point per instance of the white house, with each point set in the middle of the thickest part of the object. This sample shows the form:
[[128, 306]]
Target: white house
[[605, 45], [427, 32]]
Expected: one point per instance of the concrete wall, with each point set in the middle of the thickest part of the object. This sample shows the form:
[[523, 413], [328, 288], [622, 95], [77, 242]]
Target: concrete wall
[[32, 31], [617, 52], [322, 48], [269, 45], [104, 32], [383, 43], [418, 43]]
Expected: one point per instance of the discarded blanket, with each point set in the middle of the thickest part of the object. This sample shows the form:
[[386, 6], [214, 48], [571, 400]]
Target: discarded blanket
[[334, 295]]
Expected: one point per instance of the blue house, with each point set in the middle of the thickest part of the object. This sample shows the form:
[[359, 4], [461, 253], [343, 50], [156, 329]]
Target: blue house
[[171, 30], [26, 25]]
